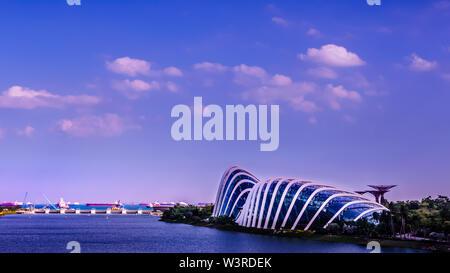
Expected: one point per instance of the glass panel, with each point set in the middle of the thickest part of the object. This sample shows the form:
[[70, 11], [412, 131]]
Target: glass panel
[[276, 202], [267, 203]]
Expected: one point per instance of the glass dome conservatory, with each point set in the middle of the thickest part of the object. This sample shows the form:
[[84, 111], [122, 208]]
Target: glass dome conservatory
[[287, 203]]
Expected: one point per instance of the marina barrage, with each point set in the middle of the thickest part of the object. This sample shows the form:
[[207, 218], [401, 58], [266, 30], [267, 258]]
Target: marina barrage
[[236, 124]]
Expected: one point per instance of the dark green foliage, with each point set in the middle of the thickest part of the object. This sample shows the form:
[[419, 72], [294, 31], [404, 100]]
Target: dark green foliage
[[192, 213], [9, 209], [222, 220], [415, 218], [420, 218], [196, 215]]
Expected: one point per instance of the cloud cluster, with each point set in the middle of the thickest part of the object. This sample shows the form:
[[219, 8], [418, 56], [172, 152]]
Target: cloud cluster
[[133, 89], [258, 85], [26, 98], [293, 94], [305, 96], [330, 57], [135, 67], [129, 66], [264, 88], [108, 125]]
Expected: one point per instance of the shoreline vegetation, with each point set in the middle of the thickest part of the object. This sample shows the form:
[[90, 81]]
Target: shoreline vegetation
[[8, 210], [413, 224]]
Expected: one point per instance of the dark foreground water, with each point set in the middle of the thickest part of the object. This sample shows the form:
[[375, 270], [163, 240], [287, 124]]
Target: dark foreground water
[[137, 233]]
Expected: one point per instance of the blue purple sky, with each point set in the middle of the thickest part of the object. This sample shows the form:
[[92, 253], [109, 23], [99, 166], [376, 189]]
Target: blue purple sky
[[86, 94]]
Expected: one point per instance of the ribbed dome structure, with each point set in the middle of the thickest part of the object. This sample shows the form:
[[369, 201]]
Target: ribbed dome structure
[[287, 203]]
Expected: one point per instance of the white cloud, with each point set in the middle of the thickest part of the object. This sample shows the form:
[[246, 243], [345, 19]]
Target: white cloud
[[28, 131], [300, 104], [279, 21], [173, 71], [446, 76], [135, 67], [129, 66], [245, 74], [25, 98], [210, 67], [313, 33], [340, 92], [135, 85], [108, 125], [254, 71], [249, 75], [172, 86], [337, 93], [281, 80], [332, 55], [419, 64], [322, 72], [133, 89], [294, 94]]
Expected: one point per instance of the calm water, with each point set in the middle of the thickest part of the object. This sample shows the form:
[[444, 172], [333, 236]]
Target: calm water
[[137, 233]]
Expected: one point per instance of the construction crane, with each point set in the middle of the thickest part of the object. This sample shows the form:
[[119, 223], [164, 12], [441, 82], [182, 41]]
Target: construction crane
[[24, 204], [49, 203]]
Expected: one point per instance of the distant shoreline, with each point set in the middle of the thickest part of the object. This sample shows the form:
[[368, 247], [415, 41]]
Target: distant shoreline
[[310, 235], [7, 213]]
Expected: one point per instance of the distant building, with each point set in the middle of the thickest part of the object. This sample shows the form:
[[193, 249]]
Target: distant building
[[287, 203], [202, 205], [163, 206]]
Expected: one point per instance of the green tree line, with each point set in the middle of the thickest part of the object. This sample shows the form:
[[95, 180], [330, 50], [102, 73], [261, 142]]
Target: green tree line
[[428, 218]]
